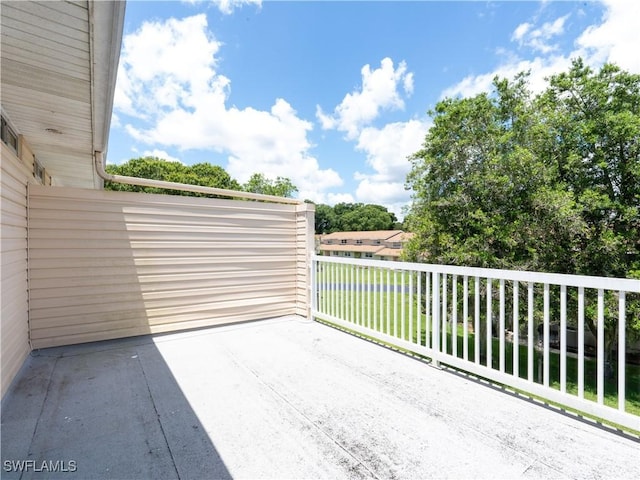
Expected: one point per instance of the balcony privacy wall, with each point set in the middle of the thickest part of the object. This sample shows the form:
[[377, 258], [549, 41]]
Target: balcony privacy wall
[[114, 264], [14, 345]]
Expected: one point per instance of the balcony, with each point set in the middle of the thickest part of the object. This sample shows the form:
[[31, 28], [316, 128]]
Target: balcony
[[134, 343], [283, 398]]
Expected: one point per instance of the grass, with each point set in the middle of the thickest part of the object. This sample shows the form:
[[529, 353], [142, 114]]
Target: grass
[[382, 302]]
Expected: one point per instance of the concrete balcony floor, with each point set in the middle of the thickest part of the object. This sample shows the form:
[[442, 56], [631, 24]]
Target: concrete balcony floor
[[284, 398]]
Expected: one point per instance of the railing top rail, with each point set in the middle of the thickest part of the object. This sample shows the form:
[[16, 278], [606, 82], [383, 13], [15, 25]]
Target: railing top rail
[[606, 283]]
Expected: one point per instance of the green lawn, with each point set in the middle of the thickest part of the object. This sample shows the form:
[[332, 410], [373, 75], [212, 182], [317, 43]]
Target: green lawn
[[384, 304]]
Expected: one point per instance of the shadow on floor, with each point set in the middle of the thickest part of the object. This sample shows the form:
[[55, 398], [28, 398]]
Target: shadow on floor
[[103, 410]]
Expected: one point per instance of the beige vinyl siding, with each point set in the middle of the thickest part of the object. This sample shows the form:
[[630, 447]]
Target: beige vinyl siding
[[14, 346], [113, 264]]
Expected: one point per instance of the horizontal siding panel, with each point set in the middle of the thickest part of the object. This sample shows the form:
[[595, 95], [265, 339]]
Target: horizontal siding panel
[[152, 283], [153, 299], [14, 341], [220, 255], [133, 319], [13, 189], [109, 264], [14, 215], [12, 231], [110, 332], [174, 233], [162, 245], [142, 274], [138, 219]]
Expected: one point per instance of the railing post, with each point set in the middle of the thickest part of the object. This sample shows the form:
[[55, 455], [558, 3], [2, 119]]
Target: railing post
[[305, 243]]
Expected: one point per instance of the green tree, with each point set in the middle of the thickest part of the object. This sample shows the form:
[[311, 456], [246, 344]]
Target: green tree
[[362, 217], [593, 135], [366, 218], [204, 174], [548, 182], [158, 169], [348, 217], [325, 219], [280, 187]]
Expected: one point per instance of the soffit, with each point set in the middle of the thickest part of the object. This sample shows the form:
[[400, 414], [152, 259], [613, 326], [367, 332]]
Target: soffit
[[50, 92]]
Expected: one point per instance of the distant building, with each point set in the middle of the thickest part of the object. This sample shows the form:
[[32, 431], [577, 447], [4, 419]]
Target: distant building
[[376, 245]]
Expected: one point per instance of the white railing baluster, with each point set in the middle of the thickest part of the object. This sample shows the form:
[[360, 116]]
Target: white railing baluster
[[380, 290], [370, 286], [489, 324], [621, 351], [352, 294], [465, 316], [388, 331], [443, 344], [356, 290], [427, 307], [377, 321], [454, 317], [545, 326], [580, 342], [395, 303], [402, 305], [362, 289], [563, 338], [411, 306], [343, 299], [600, 347], [530, 332], [336, 281], [435, 312], [502, 326], [419, 307], [476, 324], [516, 328]]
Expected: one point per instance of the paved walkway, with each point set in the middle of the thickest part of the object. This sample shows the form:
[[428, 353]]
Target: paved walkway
[[283, 398]]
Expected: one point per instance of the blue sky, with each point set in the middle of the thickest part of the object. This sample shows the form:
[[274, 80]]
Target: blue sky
[[334, 95]]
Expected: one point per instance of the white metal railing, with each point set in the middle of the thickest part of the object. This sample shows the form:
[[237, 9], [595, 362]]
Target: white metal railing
[[527, 330]]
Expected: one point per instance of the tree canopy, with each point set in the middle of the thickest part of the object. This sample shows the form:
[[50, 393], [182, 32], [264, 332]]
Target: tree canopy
[[280, 187], [545, 182], [198, 174], [347, 217]]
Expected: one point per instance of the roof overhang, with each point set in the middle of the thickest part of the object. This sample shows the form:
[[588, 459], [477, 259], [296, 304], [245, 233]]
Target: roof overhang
[[59, 67]]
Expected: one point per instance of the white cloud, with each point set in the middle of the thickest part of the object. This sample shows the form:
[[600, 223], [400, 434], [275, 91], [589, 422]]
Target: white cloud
[[520, 31], [168, 80], [227, 6], [379, 92], [617, 38], [333, 198], [540, 69], [387, 150], [614, 39], [161, 154], [538, 38]]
